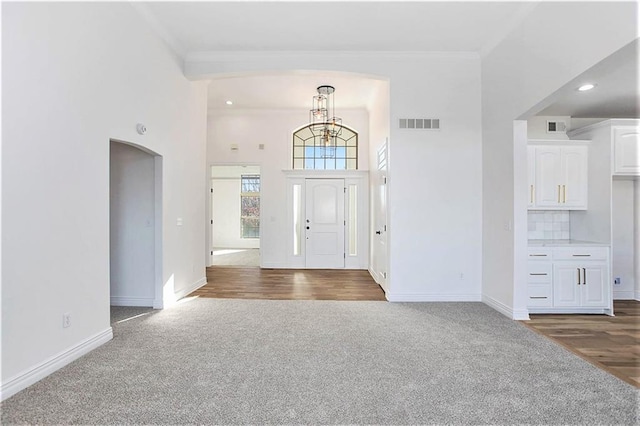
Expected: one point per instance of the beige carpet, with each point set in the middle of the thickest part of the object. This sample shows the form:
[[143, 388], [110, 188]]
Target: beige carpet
[[223, 361]]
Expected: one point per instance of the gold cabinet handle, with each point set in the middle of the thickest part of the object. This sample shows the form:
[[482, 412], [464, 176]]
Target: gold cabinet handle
[[559, 195], [531, 191], [564, 193]]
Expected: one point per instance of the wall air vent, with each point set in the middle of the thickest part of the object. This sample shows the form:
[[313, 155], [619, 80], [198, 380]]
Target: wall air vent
[[420, 123], [556, 127]]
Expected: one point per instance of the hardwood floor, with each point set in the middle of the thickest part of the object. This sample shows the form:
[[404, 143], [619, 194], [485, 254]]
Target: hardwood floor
[[292, 284], [611, 343]]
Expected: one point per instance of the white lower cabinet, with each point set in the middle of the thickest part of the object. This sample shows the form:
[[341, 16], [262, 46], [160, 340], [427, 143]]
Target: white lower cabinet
[[579, 284], [573, 280]]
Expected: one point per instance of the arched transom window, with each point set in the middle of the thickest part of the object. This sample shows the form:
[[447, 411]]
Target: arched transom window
[[312, 151]]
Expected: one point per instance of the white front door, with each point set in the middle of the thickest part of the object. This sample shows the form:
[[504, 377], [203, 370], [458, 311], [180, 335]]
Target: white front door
[[324, 223]]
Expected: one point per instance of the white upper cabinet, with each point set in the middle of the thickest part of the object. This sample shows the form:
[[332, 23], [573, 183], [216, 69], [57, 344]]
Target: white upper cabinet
[[559, 177], [626, 150], [548, 176], [574, 177]]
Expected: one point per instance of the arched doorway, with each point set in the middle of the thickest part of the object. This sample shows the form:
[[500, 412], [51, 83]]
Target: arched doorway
[[135, 209]]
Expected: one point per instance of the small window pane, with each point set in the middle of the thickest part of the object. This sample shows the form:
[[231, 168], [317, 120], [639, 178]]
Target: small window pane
[[352, 152], [351, 164], [298, 163], [297, 219], [250, 227], [298, 152], [341, 164]]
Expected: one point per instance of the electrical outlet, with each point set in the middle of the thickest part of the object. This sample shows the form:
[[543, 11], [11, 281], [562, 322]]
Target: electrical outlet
[[66, 320], [617, 281]]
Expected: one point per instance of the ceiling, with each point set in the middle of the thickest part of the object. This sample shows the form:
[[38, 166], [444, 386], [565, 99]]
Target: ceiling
[[292, 90], [617, 91], [391, 26], [325, 25]]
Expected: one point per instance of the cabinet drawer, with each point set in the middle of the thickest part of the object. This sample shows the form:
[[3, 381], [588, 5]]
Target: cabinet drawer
[[539, 272], [539, 295], [539, 253], [581, 253]]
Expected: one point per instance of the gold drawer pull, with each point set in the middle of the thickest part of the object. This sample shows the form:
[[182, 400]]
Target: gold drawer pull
[[531, 194]]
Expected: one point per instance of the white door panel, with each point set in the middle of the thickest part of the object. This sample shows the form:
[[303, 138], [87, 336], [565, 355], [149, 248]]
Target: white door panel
[[324, 202]]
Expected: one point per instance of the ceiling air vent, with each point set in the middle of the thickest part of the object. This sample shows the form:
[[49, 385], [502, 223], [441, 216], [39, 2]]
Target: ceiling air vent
[[556, 127], [420, 123]]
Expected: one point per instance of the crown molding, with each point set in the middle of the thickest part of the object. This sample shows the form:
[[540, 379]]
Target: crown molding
[[232, 56], [160, 30]]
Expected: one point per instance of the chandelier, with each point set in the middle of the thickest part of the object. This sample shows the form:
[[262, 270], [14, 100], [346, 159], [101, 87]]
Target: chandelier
[[326, 128]]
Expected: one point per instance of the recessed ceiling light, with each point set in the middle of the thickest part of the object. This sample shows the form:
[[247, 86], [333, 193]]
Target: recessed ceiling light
[[229, 102], [586, 87]]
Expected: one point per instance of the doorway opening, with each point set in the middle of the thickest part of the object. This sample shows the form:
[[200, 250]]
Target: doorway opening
[[234, 215], [135, 210]]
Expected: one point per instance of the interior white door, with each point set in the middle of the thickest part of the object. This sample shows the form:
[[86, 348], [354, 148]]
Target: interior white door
[[380, 237], [325, 223]]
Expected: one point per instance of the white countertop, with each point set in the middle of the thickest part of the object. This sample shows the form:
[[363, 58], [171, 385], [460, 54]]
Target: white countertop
[[565, 243]]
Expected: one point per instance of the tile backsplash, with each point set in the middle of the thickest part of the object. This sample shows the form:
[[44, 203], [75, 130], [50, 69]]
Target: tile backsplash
[[549, 225]]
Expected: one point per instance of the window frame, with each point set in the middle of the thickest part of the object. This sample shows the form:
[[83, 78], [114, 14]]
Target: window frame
[[249, 194], [304, 141]]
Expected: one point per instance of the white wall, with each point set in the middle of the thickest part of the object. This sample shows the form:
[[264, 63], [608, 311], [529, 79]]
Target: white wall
[[552, 45], [226, 215], [132, 226], [274, 129], [435, 217], [622, 241], [74, 76], [537, 127], [379, 132]]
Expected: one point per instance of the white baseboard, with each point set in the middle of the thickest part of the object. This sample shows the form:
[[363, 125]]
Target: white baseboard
[[193, 287], [514, 314], [56, 362], [425, 297], [637, 296], [624, 295], [131, 301], [582, 310]]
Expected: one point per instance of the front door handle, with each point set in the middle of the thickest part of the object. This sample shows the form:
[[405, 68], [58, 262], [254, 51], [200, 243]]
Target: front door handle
[[378, 232]]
